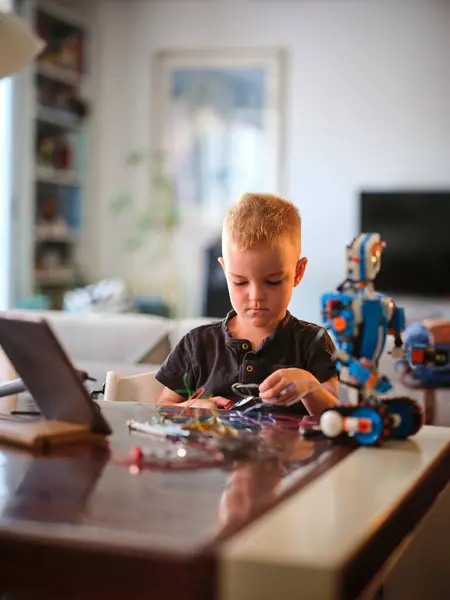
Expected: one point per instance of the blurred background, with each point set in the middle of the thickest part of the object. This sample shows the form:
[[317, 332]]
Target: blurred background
[[123, 145]]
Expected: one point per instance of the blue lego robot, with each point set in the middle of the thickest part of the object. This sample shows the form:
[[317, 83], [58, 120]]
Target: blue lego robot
[[360, 320]]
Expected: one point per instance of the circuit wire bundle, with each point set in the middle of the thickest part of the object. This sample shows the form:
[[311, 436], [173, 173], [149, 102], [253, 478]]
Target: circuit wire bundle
[[186, 437]]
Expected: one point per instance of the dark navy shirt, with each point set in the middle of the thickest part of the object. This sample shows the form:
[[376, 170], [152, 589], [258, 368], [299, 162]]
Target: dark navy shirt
[[209, 357]]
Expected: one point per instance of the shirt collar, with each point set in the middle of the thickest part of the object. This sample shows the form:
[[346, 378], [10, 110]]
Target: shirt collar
[[280, 331]]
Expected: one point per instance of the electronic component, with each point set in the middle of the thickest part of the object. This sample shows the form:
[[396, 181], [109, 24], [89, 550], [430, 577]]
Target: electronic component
[[166, 430], [196, 439], [249, 394]]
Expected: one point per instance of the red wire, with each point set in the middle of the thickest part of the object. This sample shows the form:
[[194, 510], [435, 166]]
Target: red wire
[[182, 465]]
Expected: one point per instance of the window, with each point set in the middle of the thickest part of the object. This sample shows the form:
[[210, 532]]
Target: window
[[5, 179]]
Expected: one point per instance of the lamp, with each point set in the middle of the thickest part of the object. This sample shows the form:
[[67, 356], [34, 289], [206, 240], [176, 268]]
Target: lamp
[[18, 44]]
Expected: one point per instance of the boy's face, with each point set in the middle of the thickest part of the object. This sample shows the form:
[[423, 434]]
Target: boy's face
[[261, 281]]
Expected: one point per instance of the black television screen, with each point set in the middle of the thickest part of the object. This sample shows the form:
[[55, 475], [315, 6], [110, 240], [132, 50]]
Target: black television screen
[[416, 229]]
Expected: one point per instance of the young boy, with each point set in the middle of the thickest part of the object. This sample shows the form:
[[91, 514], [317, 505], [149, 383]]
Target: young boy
[[259, 341]]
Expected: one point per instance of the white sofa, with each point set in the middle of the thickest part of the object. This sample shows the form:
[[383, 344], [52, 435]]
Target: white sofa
[[129, 343], [133, 343]]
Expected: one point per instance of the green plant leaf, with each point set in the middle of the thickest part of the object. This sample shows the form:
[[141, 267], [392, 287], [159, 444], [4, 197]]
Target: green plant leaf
[[172, 217], [158, 158], [134, 158], [133, 243], [144, 222], [121, 203], [157, 255], [161, 183]]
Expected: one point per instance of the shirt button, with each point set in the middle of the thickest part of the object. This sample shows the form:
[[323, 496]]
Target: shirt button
[[249, 369], [244, 346]]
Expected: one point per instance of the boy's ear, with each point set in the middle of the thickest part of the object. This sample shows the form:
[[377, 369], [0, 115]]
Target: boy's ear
[[300, 270], [221, 262]]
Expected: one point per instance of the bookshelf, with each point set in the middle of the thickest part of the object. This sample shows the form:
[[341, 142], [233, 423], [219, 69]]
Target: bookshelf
[[60, 133]]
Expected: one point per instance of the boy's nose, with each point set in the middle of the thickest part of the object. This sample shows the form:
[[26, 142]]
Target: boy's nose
[[256, 293]]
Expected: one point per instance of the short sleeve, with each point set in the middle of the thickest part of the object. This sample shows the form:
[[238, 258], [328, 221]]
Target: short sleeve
[[320, 362], [177, 371]]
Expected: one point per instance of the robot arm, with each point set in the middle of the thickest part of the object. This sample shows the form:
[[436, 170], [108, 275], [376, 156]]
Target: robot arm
[[420, 351], [368, 379], [396, 327], [422, 355]]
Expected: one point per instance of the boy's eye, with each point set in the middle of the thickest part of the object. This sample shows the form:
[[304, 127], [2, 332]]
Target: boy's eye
[[274, 282], [239, 283]]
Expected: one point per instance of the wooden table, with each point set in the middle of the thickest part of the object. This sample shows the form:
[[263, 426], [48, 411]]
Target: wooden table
[[324, 519]]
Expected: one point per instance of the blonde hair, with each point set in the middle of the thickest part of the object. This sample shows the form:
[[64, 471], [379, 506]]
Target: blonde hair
[[262, 220]]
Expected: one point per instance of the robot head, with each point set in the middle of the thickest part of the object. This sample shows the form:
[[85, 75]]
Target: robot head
[[364, 257]]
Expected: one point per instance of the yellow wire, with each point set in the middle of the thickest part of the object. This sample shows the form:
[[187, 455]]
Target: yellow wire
[[214, 425]]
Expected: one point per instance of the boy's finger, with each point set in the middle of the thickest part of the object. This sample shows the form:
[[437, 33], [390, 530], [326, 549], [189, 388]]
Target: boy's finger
[[287, 396], [220, 402], [278, 394], [201, 404], [288, 399], [289, 388], [272, 380], [273, 392]]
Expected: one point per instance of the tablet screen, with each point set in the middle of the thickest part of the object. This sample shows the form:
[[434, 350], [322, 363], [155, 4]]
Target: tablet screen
[[50, 377]]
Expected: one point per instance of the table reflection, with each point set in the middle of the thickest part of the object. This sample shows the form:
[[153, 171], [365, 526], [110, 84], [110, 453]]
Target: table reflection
[[253, 487], [57, 486]]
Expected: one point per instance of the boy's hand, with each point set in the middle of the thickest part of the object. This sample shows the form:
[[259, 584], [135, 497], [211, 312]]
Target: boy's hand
[[215, 401], [286, 385], [170, 398], [199, 403]]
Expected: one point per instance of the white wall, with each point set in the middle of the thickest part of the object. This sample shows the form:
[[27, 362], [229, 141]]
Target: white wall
[[367, 105]]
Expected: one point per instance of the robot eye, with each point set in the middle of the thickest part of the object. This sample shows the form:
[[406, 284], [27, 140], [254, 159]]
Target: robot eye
[[377, 250]]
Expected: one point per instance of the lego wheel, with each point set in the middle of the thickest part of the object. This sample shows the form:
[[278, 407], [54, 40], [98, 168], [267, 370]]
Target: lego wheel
[[380, 420], [406, 415], [368, 424]]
